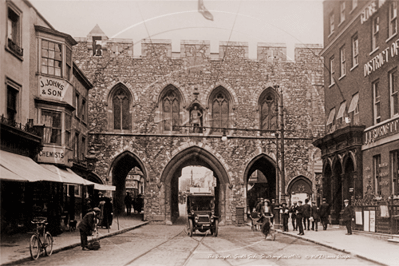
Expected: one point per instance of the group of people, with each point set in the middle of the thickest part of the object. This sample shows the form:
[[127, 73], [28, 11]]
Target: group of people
[[301, 214], [137, 203]]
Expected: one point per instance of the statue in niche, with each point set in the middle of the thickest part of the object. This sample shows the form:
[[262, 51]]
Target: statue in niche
[[196, 120]]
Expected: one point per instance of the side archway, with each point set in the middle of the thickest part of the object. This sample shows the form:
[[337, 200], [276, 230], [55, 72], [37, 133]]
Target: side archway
[[299, 188], [193, 156]]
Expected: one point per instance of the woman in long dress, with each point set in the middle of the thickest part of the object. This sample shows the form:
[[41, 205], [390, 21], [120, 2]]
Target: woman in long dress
[[266, 213]]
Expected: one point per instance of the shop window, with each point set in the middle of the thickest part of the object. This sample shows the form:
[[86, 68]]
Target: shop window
[[343, 61], [394, 155], [51, 58], [14, 30], [220, 112], [52, 127], [355, 50], [375, 33], [377, 174], [170, 111], [269, 111], [393, 18], [342, 12], [376, 103], [331, 23], [12, 103], [393, 88], [332, 82], [121, 105], [68, 129]]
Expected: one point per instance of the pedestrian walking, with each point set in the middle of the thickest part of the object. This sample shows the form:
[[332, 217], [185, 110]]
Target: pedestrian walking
[[87, 226], [273, 205], [284, 215], [128, 203], [314, 215], [306, 214], [324, 212], [292, 210], [348, 215], [299, 218]]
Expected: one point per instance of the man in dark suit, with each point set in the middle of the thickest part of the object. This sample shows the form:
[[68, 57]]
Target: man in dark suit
[[324, 211], [284, 216], [348, 214], [87, 226], [306, 214], [299, 218], [314, 213], [293, 215]]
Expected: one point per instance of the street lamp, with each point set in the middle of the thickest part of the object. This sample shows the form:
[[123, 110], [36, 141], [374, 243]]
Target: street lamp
[[224, 137]]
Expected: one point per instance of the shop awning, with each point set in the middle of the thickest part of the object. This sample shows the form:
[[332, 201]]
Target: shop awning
[[353, 104], [96, 185], [331, 117], [21, 168], [68, 177], [341, 110]]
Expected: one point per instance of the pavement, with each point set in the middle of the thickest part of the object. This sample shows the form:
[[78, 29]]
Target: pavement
[[15, 248], [368, 246]]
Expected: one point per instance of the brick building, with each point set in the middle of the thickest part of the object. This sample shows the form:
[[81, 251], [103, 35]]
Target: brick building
[[360, 150], [165, 110]]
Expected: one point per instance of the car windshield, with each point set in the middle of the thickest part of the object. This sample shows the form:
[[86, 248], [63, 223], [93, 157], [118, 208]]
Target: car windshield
[[201, 204]]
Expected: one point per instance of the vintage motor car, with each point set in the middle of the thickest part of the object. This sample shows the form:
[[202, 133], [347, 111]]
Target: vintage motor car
[[201, 214]]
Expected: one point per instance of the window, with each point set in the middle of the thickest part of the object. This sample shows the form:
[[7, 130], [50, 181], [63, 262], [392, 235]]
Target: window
[[68, 129], [12, 103], [83, 148], [342, 12], [332, 71], [171, 110], [394, 156], [330, 120], [341, 112], [375, 32], [376, 102], [269, 112], [83, 109], [76, 146], [68, 63], [376, 174], [14, 31], [353, 110], [120, 103], [331, 22], [343, 62], [220, 112], [354, 4], [393, 17], [355, 50], [393, 88], [52, 127], [51, 58], [77, 105]]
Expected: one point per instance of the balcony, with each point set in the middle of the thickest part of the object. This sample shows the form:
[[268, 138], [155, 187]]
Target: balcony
[[15, 48]]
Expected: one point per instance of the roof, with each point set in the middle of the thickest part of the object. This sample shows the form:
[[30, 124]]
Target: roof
[[67, 37], [96, 31]]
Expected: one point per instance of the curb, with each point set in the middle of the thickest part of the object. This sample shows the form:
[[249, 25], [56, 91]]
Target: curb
[[332, 247], [78, 244]]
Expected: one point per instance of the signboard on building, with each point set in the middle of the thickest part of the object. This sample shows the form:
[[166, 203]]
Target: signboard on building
[[53, 88], [55, 155], [387, 129], [299, 197]]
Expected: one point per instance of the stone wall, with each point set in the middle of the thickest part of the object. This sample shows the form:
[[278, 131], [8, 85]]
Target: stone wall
[[196, 69]]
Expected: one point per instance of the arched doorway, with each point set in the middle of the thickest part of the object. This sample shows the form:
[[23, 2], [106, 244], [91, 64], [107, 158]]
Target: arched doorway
[[337, 200], [264, 168], [119, 170], [194, 156], [349, 181], [299, 189], [326, 183]]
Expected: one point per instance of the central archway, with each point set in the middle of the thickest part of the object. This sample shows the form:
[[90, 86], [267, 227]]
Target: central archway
[[193, 156]]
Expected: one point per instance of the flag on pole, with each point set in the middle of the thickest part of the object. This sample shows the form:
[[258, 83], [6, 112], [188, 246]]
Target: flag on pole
[[202, 9]]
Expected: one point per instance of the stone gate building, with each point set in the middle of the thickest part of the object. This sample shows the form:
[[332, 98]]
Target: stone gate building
[[163, 111]]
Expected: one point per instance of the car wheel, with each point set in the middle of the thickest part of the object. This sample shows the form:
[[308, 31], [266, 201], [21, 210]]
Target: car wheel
[[190, 228], [216, 228]]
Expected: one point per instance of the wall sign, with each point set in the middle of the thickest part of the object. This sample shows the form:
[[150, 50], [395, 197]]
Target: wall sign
[[55, 155], [52, 88], [380, 59], [368, 11], [385, 130]]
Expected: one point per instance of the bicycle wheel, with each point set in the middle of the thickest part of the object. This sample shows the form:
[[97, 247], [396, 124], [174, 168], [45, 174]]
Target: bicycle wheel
[[48, 240], [34, 247]]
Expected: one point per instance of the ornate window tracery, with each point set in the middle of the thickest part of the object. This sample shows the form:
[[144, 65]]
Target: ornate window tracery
[[220, 112], [121, 103], [171, 111]]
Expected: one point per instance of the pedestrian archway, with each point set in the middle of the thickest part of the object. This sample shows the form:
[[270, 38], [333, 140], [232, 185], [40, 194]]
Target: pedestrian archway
[[264, 185], [193, 156], [119, 170]]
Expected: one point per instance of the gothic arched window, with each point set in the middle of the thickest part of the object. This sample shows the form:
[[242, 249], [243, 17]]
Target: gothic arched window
[[120, 102], [268, 112], [220, 112], [171, 111]]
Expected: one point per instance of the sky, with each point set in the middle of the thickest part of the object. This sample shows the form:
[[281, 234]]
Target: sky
[[251, 21]]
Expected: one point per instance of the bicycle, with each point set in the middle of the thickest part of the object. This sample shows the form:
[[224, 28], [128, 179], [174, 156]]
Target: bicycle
[[36, 245]]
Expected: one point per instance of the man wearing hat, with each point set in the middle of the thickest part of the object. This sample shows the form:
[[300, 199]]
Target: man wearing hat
[[299, 218], [314, 215], [285, 215], [324, 211], [348, 214], [87, 226]]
